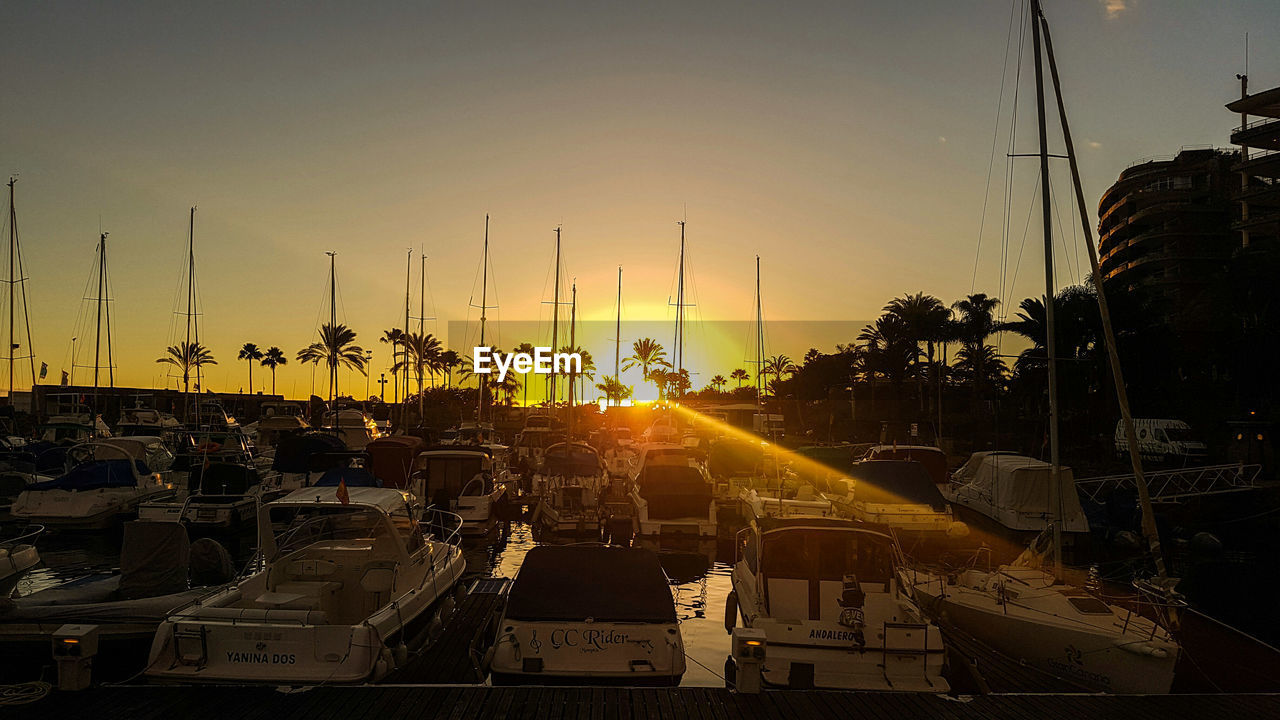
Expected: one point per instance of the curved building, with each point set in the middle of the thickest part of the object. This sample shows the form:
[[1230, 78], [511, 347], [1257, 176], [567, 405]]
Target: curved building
[[1166, 224]]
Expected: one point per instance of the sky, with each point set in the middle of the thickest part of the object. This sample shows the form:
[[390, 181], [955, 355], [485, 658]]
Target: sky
[[848, 144]]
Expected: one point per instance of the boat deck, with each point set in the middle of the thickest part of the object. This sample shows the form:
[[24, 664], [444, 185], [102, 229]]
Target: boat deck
[[452, 659], [571, 703]]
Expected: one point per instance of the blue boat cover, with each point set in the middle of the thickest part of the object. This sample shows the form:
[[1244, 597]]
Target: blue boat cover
[[354, 476], [96, 474]]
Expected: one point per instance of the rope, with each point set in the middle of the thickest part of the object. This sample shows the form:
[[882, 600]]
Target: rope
[[24, 693]]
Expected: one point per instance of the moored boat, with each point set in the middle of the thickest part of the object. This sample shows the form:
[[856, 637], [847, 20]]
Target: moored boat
[[589, 614], [826, 594], [347, 586]]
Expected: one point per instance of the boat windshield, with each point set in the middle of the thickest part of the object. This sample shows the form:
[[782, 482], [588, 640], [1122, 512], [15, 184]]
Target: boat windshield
[[573, 462], [298, 527], [446, 476], [813, 554]]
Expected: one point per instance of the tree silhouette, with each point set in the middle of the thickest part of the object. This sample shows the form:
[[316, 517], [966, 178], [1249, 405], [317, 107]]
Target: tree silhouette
[[187, 356], [740, 375], [273, 359], [252, 354], [336, 348]]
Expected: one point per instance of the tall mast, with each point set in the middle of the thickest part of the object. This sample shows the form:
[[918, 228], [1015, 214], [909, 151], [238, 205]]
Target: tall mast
[[404, 337], [484, 302], [617, 334], [333, 324], [555, 321], [759, 344], [573, 347], [1049, 292], [1149, 530], [13, 252], [679, 349], [192, 325], [97, 347], [422, 319]]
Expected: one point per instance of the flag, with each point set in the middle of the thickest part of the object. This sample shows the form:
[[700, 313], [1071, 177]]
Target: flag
[[343, 497], [44, 370], [66, 379]]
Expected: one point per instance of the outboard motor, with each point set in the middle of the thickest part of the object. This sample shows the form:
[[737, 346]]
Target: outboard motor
[[852, 600]]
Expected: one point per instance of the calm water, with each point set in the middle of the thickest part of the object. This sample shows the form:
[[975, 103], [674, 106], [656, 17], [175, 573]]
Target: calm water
[[700, 572]]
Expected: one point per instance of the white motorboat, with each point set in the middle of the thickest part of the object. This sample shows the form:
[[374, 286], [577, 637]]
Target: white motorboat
[[277, 419], [900, 494], [826, 594], [672, 494], [1057, 628], [571, 485], [460, 479], [1015, 492], [17, 556], [348, 585], [589, 614], [223, 496], [105, 482], [352, 426]]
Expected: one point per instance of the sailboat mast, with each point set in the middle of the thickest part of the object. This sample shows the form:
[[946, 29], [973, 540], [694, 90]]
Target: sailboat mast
[[13, 246], [404, 337], [555, 320], [106, 306], [189, 349], [484, 302], [680, 307], [1149, 530], [422, 319], [617, 334], [333, 324], [97, 342], [573, 346], [759, 344], [1049, 292]]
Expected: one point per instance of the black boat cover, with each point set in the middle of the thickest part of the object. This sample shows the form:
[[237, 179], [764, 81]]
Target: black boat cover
[[294, 451], [574, 582], [895, 481]]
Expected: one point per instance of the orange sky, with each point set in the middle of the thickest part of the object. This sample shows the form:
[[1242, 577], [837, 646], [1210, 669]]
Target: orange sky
[[845, 143]]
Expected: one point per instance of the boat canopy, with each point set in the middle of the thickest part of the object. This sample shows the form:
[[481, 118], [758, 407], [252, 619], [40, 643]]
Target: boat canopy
[[933, 459], [895, 481], [222, 478], [392, 458], [351, 476], [572, 460], [1018, 483], [674, 491], [601, 582], [294, 452], [447, 472], [116, 472]]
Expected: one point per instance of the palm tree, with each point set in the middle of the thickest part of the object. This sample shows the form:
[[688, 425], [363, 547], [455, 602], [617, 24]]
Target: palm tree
[[588, 369], [777, 366], [251, 353], [977, 323], [646, 353], [740, 375], [973, 359], [448, 362], [186, 357], [926, 319], [394, 337], [718, 382], [614, 391], [273, 359], [526, 349], [420, 353], [336, 348]]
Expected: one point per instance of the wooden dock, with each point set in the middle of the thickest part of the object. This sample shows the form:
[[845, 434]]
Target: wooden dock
[[577, 703]]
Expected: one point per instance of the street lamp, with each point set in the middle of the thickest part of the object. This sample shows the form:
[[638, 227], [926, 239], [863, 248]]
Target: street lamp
[[368, 363]]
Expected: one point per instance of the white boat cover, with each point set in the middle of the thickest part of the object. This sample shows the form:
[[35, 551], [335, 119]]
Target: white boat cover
[[1016, 490]]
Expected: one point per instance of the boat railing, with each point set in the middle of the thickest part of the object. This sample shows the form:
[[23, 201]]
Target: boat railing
[[1170, 486], [441, 524], [28, 537]]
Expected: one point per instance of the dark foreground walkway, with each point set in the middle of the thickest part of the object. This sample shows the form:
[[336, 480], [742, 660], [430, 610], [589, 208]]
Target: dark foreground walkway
[[468, 703]]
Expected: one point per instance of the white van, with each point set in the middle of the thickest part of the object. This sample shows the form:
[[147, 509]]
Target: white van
[[1161, 440]]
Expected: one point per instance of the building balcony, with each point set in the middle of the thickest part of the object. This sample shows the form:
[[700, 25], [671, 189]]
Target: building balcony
[[1263, 134], [1263, 165]]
